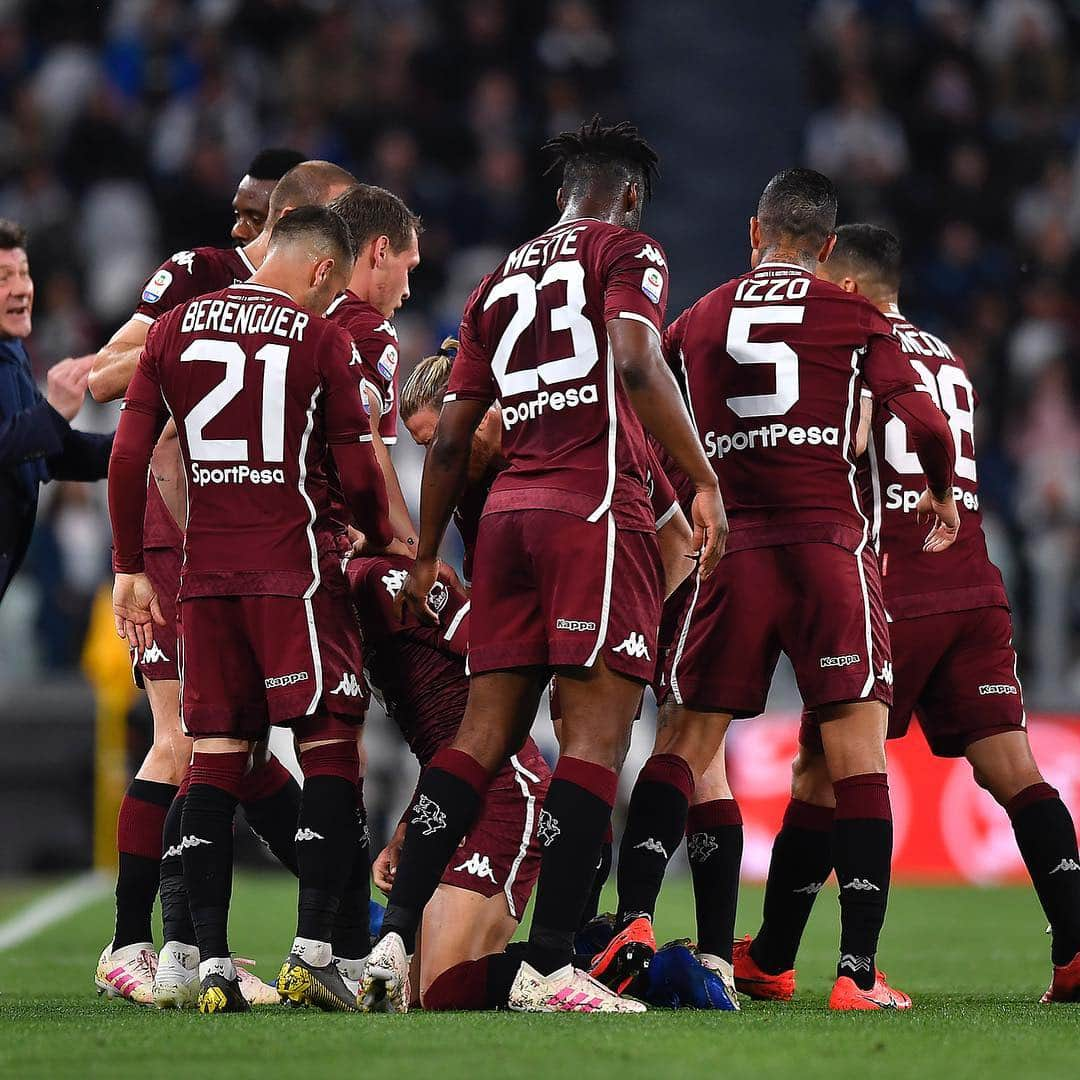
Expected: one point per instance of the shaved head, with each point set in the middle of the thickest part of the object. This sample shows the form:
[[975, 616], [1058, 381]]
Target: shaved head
[[311, 183]]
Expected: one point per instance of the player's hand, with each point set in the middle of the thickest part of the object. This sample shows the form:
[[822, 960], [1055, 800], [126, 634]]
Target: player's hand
[[66, 385], [709, 519], [942, 517], [359, 546], [414, 592], [385, 866], [136, 609]]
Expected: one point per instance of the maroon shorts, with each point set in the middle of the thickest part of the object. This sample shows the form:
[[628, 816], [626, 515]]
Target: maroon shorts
[[251, 661], [501, 853], [160, 662], [671, 620], [817, 602], [552, 589], [956, 671]]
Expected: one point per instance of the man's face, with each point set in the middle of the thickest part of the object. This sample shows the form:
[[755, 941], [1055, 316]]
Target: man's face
[[16, 294], [422, 425], [250, 205], [393, 275]]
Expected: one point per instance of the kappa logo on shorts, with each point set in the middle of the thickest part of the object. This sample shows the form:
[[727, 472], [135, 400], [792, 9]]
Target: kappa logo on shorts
[[350, 686], [154, 655], [276, 681], [861, 885], [840, 661], [886, 675], [997, 688], [429, 813], [577, 625], [1066, 864], [700, 846], [479, 866], [652, 845], [307, 834], [634, 646], [548, 830]]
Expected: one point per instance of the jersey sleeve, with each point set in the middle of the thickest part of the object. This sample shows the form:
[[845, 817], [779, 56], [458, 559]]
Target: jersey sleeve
[[376, 356], [471, 378], [661, 492], [887, 372], [346, 418], [635, 276], [183, 276]]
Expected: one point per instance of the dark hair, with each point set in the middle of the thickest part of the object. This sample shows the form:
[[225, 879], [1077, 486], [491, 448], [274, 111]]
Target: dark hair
[[870, 251], [273, 163], [12, 235], [799, 204], [308, 184], [318, 223], [606, 154], [371, 211]]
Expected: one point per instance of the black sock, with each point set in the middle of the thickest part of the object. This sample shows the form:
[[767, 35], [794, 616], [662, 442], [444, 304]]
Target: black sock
[[714, 845], [655, 824], [603, 872], [576, 812], [800, 866], [862, 855], [1046, 837], [138, 842], [448, 798], [325, 843], [273, 815], [175, 912], [207, 826], [352, 932]]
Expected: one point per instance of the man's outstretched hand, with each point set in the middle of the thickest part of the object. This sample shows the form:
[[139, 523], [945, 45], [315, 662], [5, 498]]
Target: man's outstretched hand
[[136, 609]]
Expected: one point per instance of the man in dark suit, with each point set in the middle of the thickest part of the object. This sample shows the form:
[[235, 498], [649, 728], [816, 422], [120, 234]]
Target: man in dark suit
[[37, 442]]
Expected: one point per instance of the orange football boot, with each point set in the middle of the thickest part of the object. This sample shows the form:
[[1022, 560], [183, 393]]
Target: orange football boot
[[755, 983], [627, 956], [1065, 985], [847, 997]]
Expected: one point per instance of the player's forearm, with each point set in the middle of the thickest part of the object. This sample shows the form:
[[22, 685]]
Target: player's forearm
[[400, 519], [443, 482], [127, 489], [113, 368], [167, 469], [364, 489], [930, 436]]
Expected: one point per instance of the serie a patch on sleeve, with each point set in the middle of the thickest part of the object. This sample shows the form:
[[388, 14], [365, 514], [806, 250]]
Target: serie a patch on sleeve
[[156, 286], [652, 284]]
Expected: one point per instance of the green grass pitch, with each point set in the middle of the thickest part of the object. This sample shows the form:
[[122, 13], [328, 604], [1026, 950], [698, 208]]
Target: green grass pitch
[[974, 960]]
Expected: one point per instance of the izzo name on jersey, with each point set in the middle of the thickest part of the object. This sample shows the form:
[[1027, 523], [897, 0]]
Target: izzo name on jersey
[[897, 497], [718, 445], [235, 474], [556, 400]]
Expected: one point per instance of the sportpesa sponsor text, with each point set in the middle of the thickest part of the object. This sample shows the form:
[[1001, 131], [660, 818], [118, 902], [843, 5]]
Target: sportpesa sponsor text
[[718, 445], [235, 474]]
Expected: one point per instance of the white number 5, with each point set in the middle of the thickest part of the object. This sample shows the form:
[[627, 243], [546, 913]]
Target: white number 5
[[783, 358]]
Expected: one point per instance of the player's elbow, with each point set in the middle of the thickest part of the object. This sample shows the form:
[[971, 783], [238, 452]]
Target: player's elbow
[[637, 370], [101, 381]]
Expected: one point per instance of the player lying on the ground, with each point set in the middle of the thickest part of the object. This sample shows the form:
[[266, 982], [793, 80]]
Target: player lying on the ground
[[264, 396], [800, 575], [567, 573], [151, 808], [418, 671], [953, 664]]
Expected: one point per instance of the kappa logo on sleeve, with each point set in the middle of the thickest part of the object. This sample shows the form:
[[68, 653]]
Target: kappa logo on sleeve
[[386, 327], [649, 252], [157, 286], [652, 284], [184, 259]]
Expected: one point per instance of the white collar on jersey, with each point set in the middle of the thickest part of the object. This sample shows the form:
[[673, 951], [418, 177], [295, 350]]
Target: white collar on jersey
[[785, 265], [261, 288], [245, 260]]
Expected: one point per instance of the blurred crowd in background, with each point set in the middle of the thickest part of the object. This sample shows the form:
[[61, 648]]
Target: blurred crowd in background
[[124, 127]]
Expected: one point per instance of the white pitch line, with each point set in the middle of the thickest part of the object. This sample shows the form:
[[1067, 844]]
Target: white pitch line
[[51, 908]]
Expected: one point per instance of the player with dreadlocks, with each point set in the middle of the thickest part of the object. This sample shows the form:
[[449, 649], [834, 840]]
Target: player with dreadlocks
[[565, 334]]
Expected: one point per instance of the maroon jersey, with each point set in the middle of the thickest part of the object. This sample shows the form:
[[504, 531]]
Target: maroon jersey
[[376, 356], [258, 389], [534, 336], [186, 275], [418, 671], [774, 362], [961, 577]]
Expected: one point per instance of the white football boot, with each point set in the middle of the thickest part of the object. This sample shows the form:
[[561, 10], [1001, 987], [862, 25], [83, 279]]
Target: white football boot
[[385, 985], [567, 990], [128, 973], [176, 984]]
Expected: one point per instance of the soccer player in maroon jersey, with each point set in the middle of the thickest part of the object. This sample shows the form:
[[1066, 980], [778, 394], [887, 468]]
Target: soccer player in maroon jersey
[[387, 238], [129, 966], [418, 671], [261, 392], [774, 362], [251, 203], [953, 662], [565, 333]]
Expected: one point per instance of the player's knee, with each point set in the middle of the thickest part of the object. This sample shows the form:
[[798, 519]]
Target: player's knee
[[339, 758]]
